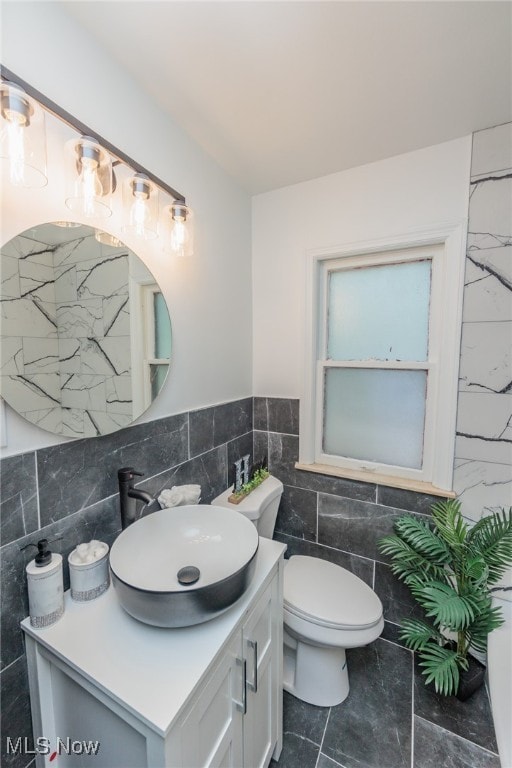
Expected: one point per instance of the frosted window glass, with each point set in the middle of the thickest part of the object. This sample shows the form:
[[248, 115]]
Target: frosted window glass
[[375, 415], [379, 313]]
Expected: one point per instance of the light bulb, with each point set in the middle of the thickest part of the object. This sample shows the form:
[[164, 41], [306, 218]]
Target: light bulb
[[89, 178], [22, 139], [139, 210], [141, 201], [16, 150], [180, 239], [88, 181]]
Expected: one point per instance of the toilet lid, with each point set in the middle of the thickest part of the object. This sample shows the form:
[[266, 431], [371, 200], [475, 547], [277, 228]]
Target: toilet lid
[[327, 594]]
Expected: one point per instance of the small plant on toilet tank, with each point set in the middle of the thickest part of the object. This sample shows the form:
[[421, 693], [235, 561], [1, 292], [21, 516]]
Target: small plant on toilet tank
[[450, 568]]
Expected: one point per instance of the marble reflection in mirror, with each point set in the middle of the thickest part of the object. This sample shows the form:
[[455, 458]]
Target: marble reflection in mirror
[[85, 334]]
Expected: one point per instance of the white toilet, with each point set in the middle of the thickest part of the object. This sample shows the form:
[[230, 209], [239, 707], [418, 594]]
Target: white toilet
[[326, 610]]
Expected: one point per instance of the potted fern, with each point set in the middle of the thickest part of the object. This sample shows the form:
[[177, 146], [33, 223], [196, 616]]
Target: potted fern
[[450, 568]]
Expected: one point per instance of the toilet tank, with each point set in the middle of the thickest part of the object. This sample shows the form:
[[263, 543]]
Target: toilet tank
[[260, 506]]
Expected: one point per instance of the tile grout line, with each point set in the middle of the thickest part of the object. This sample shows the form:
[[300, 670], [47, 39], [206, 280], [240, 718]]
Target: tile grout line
[[323, 738], [37, 492], [457, 736]]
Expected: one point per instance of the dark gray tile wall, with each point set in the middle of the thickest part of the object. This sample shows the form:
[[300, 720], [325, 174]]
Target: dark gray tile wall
[[389, 708], [68, 493]]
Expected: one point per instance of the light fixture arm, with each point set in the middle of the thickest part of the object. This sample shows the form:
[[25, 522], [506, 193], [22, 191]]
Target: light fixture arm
[[84, 130]]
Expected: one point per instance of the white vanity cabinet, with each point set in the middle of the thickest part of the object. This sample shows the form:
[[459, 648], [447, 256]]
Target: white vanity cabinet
[[209, 695]]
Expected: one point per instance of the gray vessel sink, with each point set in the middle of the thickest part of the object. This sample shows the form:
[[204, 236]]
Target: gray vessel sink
[[183, 566]]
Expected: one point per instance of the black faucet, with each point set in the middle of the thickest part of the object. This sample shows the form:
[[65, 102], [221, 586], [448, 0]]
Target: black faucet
[[128, 494]]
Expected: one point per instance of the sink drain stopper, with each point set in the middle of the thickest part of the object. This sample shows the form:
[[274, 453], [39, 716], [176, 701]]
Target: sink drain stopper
[[188, 575]]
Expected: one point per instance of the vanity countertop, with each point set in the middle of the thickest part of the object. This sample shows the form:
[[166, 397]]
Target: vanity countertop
[[151, 671]]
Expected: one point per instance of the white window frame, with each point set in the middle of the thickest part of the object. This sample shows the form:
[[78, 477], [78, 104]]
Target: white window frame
[[142, 320], [447, 283]]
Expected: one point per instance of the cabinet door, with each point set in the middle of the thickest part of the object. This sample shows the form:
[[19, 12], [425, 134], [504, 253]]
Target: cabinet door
[[211, 734], [260, 649]]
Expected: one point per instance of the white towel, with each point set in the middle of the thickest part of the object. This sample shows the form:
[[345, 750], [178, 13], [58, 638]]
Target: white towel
[[179, 495]]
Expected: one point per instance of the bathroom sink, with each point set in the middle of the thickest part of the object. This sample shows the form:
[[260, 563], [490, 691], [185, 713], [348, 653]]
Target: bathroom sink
[[183, 566]]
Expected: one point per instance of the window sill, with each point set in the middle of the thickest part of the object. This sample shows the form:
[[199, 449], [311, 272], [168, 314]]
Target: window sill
[[376, 479]]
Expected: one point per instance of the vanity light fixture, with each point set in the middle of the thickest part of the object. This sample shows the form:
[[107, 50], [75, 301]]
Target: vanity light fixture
[[140, 200], [22, 137], [89, 179], [180, 241]]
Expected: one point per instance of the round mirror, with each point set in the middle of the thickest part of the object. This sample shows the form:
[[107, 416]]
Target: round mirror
[[86, 334]]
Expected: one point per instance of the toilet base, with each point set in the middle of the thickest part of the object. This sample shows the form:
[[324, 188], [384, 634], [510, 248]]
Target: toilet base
[[316, 675]]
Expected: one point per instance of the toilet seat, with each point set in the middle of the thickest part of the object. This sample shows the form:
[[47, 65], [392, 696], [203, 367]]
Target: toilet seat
[[328, 595]]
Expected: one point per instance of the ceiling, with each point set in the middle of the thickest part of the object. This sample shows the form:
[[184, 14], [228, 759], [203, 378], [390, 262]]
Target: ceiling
[[282, 92]]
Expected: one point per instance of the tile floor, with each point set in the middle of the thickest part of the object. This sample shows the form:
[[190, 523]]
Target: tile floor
[[390, 720]]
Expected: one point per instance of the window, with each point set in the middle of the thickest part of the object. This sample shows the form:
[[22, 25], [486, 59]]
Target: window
[[382, 363], [157, 340]]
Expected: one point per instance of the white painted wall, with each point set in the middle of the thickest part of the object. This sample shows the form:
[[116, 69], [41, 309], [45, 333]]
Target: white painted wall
[[209, 296], [381, 200]]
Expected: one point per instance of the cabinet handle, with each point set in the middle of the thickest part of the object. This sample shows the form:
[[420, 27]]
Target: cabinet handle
[[254, 645], [242, 705]]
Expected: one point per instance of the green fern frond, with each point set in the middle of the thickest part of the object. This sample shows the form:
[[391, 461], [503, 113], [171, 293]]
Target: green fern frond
[[422, 539], [416, 634], [440, 666], [446, 606], [476, 571], [449, 522], [491, 538], [406, 560], [488, 619]]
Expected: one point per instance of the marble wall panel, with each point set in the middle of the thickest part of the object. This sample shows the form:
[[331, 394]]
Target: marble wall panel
[[96, 423], [37, 279], [103, 276], [108, 356], [11, 356], [32, 392], [116, 316], [489, 203], [24, 317], [484, 430], [10, 277], [84, 391], [40, 355], [65, 284], [69, 355], [80, 318], [118, 395], [486, 359], [483, 450], [488, 282], [482, 485]]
